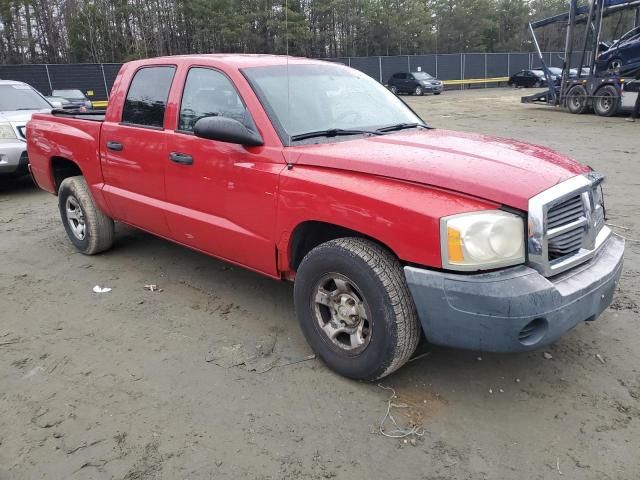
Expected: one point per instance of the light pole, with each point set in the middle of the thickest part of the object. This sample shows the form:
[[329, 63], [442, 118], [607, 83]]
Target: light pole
[[435, 17]]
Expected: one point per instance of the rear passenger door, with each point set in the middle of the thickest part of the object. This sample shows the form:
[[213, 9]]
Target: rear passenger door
[[133, 152], [404, 82], [411, 82]]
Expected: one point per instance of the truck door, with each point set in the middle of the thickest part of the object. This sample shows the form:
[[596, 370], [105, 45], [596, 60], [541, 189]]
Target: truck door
[[133, 152], [222, 196]]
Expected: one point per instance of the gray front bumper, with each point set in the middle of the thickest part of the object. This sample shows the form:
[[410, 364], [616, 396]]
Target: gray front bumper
[[516, 309], [13, 157]]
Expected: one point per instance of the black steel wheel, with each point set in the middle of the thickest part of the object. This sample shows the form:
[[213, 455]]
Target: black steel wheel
[[615, 66], [577, 101], [607, 102]]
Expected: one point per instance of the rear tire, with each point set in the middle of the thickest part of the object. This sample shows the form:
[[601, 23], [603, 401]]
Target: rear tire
[[355, 308], [418, 91], [88, 228], [394, 90], [577, 102], [607, 102]]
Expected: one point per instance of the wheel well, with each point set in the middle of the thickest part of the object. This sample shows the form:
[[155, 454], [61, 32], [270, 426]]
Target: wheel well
[[63, 168], [308, 235]]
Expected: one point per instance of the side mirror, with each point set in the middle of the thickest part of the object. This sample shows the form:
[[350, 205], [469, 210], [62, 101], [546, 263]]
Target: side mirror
[[56, 104], [225, 129]]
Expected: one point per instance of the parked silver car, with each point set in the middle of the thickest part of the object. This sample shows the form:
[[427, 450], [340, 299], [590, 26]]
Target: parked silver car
[[18, 101]]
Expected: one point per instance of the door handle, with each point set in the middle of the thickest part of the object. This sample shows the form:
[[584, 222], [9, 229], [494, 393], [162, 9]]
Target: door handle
[[181, 158], [115, 146]]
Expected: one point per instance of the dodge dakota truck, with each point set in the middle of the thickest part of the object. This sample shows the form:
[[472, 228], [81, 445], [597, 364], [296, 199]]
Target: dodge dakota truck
[[313, 172]]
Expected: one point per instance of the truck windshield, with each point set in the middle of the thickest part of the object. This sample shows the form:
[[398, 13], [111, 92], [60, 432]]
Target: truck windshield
[[313, 98], [21, 97]]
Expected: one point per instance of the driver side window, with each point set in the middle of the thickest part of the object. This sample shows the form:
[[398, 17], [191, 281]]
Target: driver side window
[[209, 93]]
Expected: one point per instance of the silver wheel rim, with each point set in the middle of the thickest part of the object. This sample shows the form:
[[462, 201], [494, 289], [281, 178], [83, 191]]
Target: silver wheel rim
[[75, 217], [341, 313], [418, 91]]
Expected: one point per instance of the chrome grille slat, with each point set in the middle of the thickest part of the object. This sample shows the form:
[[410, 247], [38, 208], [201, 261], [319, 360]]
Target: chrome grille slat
[[574, 238], [565, 217], [569, 205], [567, 227], [568, 214]]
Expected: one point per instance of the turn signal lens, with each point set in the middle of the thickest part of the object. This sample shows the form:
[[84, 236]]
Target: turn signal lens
[[455, 245]]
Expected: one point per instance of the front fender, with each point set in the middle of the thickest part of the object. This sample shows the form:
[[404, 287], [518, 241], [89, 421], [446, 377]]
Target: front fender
[[403, 216]]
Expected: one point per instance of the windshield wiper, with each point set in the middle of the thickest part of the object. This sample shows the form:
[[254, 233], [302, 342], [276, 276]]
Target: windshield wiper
[[401, 126], [333, 132]]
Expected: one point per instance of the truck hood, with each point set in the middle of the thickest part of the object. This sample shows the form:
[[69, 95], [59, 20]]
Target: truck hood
[[495, 169]]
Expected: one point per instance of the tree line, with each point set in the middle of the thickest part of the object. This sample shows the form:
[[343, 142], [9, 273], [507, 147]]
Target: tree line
[[61, 31]]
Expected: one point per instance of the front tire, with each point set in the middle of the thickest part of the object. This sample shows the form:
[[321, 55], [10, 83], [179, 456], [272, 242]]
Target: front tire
[[355, 309], [394, 90], [88, 228], [418, 91]]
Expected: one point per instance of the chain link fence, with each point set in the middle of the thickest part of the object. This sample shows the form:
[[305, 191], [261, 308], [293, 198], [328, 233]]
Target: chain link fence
[[455, 66], [97, 78]]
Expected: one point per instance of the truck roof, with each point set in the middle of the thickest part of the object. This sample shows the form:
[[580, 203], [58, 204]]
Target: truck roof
[[233, 60]]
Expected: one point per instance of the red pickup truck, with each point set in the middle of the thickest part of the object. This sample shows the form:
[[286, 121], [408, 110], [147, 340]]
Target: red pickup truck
[[312, 172]]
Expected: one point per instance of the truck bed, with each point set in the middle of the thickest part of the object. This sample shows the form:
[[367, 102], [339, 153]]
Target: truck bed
[[92, 115], [62, 135]]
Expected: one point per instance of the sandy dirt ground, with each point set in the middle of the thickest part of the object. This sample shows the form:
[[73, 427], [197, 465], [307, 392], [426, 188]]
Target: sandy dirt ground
[[211, 379]]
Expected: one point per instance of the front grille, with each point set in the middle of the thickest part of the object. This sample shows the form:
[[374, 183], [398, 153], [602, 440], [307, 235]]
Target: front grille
[[566, 224], [564, 214]]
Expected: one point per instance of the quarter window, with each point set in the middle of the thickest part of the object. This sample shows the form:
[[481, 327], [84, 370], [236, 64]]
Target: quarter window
[[146, 100], [209, 93]]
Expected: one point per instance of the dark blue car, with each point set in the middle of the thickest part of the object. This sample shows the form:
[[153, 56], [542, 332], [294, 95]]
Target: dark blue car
[[623, 57]]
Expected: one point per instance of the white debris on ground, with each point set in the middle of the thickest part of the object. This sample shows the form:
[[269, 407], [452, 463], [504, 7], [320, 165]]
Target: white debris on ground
[[99, 289]]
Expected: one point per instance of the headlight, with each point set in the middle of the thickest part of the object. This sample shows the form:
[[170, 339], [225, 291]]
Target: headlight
[[482, 240], [7, 132]]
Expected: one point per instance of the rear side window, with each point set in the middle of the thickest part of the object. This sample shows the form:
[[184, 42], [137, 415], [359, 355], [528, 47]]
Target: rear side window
[[147, 97]]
